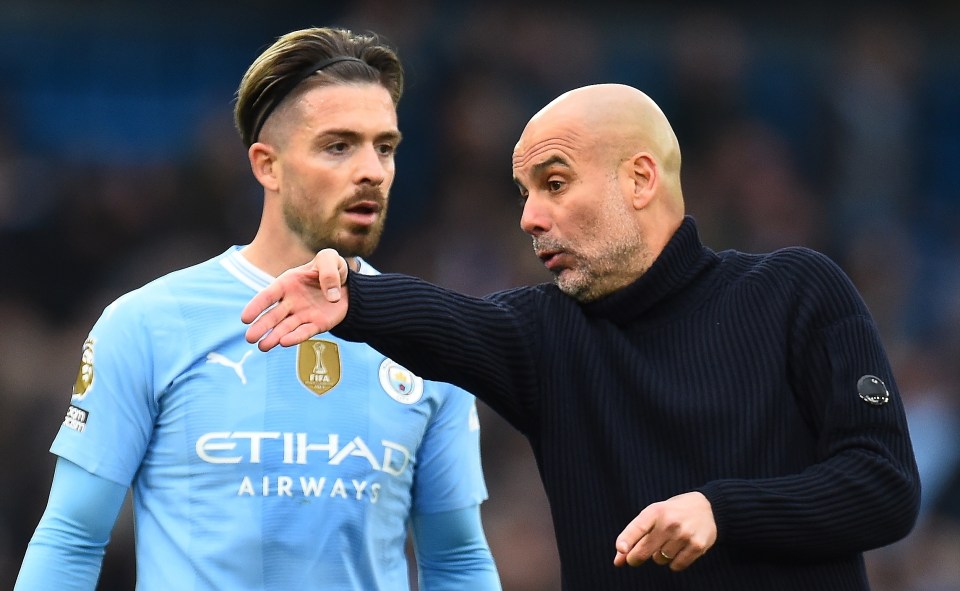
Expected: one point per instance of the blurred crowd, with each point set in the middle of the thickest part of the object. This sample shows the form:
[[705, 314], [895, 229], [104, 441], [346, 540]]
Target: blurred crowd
[[829, 128]]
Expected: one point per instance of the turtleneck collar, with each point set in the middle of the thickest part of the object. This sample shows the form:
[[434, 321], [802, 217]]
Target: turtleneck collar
[[682, 260]]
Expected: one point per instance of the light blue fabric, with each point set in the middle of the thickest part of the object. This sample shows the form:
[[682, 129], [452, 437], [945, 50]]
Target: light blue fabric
[[452, 552], [298, 468], [67, 548]]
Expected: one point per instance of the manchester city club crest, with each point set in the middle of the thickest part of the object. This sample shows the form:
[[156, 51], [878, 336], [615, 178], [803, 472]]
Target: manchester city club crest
[[401, 384]]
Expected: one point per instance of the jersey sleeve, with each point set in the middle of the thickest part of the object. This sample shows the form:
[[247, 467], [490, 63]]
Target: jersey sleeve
[[452, 552], [113, 408], [67, 548], [449, 473]]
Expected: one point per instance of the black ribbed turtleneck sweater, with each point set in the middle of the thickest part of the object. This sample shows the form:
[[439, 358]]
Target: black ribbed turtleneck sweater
[[728, 373]]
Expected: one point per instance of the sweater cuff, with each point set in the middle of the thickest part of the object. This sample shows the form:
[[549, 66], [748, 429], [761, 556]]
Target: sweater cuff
[[719, 504], [344, 329]]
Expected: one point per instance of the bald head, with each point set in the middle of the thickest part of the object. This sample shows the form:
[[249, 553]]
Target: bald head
[[620, 118]]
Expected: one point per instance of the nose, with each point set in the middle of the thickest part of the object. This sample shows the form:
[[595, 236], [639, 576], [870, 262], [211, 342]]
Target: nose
[[535, 219], [372, 168]]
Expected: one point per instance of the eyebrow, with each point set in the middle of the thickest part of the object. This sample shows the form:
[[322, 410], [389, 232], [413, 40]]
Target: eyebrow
[[540, 167], [352, 135]]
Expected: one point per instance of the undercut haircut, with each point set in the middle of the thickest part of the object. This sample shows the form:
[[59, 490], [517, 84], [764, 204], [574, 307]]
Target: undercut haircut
[[320, 55]]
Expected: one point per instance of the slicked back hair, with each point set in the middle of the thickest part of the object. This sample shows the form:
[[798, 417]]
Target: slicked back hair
[[340, 56]]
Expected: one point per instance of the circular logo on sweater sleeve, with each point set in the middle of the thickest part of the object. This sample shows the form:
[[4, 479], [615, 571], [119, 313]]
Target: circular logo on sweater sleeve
[[397, 381], [873, 391]]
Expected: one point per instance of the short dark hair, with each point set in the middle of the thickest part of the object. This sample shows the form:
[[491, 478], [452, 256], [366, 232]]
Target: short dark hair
[[284, 65]]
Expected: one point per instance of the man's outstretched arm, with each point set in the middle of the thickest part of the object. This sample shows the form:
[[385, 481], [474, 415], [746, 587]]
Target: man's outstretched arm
[[300, 303]]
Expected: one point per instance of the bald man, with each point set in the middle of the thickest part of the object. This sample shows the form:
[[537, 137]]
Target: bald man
[[708, 420]]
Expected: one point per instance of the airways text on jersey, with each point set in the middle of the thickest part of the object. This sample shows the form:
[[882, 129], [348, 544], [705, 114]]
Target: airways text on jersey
[[288, 448]]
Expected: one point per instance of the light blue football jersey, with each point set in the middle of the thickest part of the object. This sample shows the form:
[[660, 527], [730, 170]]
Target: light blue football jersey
[[292, 469]]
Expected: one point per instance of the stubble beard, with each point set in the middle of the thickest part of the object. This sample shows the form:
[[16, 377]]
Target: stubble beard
[[348, 240], [595, 274], [601, 267]]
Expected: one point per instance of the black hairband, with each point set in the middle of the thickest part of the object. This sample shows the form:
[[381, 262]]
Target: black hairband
[[292, 83]]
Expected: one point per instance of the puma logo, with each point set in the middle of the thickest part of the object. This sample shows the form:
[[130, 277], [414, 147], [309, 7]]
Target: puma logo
[[237, 366]]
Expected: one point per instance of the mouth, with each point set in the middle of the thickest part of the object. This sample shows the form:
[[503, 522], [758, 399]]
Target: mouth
[[364, 213], [551, 259]]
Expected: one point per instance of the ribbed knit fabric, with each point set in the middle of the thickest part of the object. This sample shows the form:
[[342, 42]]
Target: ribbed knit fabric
[[728, 373]]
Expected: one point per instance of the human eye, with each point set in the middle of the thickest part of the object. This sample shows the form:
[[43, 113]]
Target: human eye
[[338, 147], [387, 149], [555, 185]]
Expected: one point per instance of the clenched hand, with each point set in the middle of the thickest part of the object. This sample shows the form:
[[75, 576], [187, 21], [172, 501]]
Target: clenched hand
[[673, 533]]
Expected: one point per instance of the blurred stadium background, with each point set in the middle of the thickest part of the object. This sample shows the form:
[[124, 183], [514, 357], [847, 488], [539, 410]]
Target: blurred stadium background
[[835, 127]]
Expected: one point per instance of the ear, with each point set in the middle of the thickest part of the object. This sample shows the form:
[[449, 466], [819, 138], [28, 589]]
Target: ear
[[643, 175], [263, 162]]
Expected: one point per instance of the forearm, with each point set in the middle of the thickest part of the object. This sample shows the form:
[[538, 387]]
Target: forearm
[[851, 503], [66, 550], [54, 560], [452, 552], [474, 343]]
